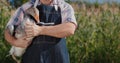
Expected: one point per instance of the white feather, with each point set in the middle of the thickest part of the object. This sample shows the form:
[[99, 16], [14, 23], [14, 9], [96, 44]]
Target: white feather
[[17, 51]]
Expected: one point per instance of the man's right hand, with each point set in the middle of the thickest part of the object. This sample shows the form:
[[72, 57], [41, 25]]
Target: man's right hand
[[22, 42]]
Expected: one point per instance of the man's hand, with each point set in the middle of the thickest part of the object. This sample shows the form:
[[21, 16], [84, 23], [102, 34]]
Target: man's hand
[[32, 29], [22, 42]]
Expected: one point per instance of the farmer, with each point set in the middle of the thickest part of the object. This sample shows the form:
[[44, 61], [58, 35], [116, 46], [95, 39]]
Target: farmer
[[49, 43]]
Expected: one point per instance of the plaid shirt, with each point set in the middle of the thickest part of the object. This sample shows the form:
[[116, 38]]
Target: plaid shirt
[[67, 12]]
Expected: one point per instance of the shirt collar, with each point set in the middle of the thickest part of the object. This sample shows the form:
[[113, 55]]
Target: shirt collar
[[55, 2]]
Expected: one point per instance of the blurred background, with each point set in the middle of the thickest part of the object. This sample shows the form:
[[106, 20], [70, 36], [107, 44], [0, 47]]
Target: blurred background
[[97, 38]]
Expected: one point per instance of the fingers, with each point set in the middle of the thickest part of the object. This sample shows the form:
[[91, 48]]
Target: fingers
[[29, 33], [26, 43], [29, 30], [22, 42]]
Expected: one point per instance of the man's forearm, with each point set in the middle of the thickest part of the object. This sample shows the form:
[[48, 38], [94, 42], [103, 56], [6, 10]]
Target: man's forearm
[[20, 42], [9, 38], [60, 31]]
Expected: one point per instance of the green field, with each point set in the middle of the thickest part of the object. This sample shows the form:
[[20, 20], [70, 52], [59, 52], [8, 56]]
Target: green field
[[96, 40]]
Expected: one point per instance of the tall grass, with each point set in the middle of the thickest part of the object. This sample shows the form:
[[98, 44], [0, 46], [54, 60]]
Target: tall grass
[[97, 38], [4, 46]]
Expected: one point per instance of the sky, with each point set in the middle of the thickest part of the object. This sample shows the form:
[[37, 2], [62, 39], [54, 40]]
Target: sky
[[100, 1]]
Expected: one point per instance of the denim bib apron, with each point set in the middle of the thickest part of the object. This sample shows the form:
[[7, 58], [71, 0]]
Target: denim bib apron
[[47, 49]]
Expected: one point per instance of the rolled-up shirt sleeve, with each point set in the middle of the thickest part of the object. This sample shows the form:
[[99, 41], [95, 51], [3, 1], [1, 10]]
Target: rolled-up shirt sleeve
[[18, 15], [68, 14], [13, 18]]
